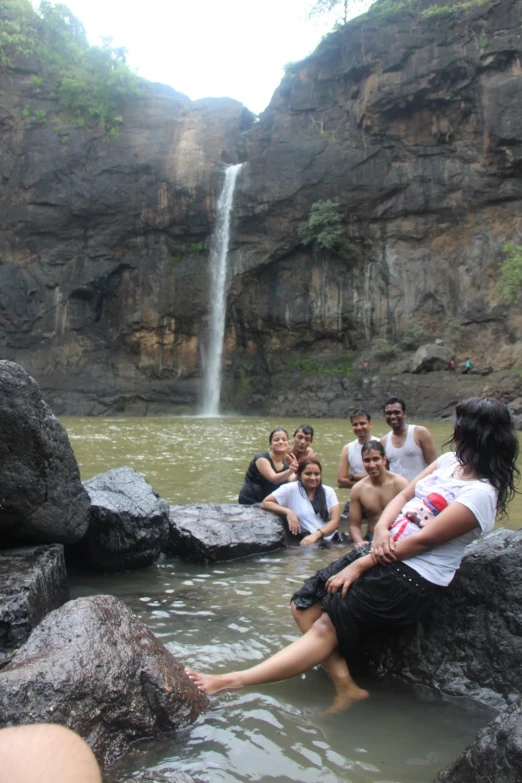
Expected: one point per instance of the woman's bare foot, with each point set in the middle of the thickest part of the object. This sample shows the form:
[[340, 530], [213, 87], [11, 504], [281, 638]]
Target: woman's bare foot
[[212, 683], [346, 694]]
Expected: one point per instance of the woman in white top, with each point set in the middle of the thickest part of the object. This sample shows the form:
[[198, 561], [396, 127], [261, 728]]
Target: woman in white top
[[307, 504], [395, 584]]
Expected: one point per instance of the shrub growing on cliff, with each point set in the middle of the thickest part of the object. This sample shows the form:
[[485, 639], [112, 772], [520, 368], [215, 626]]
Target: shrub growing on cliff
[[325, 229], [509, 285]]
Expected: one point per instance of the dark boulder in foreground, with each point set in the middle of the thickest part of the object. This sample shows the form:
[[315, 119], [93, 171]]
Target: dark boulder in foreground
[[129, 522], [42, 499], [93, 666], [471, 644], [33, 582], [154, 776], [223, 531], [494, 757]]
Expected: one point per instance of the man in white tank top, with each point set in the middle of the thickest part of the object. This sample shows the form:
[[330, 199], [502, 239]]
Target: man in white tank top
[[351, 468], [409, 448]]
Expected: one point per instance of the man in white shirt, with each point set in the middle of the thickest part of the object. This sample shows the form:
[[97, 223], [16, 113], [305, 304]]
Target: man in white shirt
[[408, 447]]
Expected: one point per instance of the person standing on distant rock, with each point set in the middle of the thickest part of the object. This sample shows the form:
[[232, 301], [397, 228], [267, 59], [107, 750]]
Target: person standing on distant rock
[[268, 469], [452, 365], [467, 366], [371, 495], [351, 467], [408, 447], [301, 448]]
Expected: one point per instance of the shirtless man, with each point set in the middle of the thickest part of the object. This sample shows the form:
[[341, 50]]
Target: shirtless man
[[302, 438], [351, 468], [409, 448], [373, 493]]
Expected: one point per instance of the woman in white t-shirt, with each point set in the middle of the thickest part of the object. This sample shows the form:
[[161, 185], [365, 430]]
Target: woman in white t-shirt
[[308, 505], [396, 582]]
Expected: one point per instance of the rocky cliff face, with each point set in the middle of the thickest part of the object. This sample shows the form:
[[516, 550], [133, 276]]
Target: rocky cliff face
[[412, 122]]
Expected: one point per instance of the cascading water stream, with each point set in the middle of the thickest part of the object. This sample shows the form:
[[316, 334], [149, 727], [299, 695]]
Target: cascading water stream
[[218, 278]]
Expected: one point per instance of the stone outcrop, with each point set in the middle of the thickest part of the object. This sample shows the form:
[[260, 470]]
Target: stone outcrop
[[431, 357], [33, 582], [411, 122], [470, 644], [42, 497], [128, 524], [93, 666], [223, 531], [495, 756]]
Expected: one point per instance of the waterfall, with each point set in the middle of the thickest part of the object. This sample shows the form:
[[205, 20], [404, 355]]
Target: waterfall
[[218, 298]]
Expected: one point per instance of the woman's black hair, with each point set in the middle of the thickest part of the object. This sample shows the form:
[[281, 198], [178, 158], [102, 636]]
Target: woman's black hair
[[277, 429], [373, 445], [319, 503], [485, 441]]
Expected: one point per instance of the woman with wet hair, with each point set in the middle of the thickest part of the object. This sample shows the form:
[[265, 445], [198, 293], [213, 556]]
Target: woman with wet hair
[[309, 507], [396, 582], [268, 469]]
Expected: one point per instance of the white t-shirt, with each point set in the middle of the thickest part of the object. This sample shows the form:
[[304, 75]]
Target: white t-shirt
[[294, 497], [355, 457], [439, 565]]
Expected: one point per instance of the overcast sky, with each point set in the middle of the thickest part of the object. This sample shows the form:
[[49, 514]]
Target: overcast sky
[[207, 48]]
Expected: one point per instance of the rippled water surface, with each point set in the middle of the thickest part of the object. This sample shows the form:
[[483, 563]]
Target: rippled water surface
[[228, 615]]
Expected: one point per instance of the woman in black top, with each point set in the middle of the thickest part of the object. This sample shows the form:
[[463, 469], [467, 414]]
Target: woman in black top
[[268, 470]]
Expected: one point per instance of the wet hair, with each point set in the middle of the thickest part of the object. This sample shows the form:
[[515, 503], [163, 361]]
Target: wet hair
[[360, 412], [277, 429], [485, 440], [319, 503], [307, 429], [392, 400], [373, 445]]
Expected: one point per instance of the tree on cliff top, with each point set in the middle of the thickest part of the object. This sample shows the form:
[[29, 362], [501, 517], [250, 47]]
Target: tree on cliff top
[[325, 229], [346, 9]]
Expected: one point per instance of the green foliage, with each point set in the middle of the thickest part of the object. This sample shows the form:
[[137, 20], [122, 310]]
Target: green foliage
[[26, 112], [382, 349], [313, 366], [93, 82], [345, 8], [509, 285], [411, 338], [325, 229], [40, 115]]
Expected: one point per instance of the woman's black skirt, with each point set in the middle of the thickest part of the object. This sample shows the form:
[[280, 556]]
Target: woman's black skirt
[[383, 597]]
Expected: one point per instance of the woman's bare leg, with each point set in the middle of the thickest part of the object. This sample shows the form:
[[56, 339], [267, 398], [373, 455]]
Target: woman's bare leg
[[312, 648], [346, 691]]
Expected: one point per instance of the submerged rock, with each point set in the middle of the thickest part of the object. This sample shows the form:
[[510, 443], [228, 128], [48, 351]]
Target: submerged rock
[[33, 582], [470, 644], [495, 756], [42, 498], [128, 525], [223, 531], [93, 666]]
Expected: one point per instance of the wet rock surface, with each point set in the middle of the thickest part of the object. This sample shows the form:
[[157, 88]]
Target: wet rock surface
[[128, 525], [93, 666], [42, 499], [223, 531], [33, 582], [153, 776], [494, 757], [470, 645]]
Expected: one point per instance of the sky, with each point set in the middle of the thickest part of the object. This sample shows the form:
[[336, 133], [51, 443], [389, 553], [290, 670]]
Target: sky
[[207, 48]]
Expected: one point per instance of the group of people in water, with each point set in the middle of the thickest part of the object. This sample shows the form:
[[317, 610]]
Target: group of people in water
[[421, 512]]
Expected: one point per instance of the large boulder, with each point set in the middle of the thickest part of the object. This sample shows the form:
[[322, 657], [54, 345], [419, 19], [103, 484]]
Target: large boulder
[[42, 497], [33, 582], [431, 357], [223, 531], [93, 666], [129, 522], [470, 644], [495, 756]]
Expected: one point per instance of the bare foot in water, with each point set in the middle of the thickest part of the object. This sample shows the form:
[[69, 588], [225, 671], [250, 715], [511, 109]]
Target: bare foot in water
[[347, 693], [211, 683]]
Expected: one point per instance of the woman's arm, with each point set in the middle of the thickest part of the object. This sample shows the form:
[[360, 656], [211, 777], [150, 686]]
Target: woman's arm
[[271, 504], [267, 471], [383, 545], [327, 529]]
